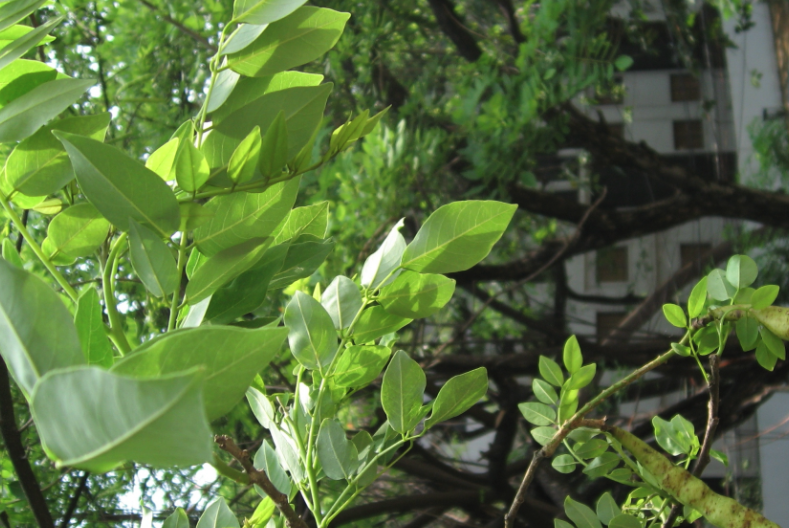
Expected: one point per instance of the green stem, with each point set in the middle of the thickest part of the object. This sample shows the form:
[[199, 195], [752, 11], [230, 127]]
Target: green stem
[[61, 280], [214, 64], [223, 469], [177, 292], [108, 285]]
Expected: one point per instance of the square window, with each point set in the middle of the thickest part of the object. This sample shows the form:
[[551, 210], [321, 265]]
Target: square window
[[606, 322], [692, 252], [685, 87], [611, 264], [688, 135]]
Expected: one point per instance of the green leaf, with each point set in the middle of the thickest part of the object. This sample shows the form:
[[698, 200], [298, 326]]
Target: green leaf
[[152, 260], [774, 343], [624, 521], [303, 107], [244, 161], [287, 453], [592, 448], [261, 408], [698, 296], [684, 433], [623, 62], [24, 115], [21, 45], [15, 11], [581, 378], [564, 464], [342, 301], [162, 160], [568, 404], [580, 514], [457, 236], [543, 435], [338, 455], [309, 220], [230, 358], [416, 295], [544, 392], [242, 36], [23, 75], [602, 465], [11, 254], [120, 187], [573, 360], [359, 365], [538, 413], [741, 271], [39, 165], [675, 315], [401, 392], [719, 287], [720, 457], [607, 508], [458, 395], [376, 322], [239, 217], [91, 330], [223, 86], [743, 296], [385, 260], [191, 168], [224, 267], [78, 231], [247, 292], [36, 331], [667, 438], [263, 11], [747, 329], [681, 350], [311, 333], [302, 260], [551, 371], [91, 419], [764, 296], [558, 523], [764, 357], [177, 519], [304, 35], [266, 459], [217, 515]]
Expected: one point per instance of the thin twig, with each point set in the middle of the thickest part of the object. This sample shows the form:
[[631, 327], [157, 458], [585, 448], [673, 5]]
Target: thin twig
[[72, 505], [194, 34], [260, 478], [709, 433]]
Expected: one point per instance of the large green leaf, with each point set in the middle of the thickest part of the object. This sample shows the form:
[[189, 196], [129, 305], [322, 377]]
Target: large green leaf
[[458, 395], [266, 459], [379, 268], [16, 32], [244, 161], [91, 329], [376, 322], [191, 168], [39, 165], [238, 217], [217, 515], [416, 295], [287, 453], [36, 331], [92, 419], [343, 300], [263, 11], [231, 358], [583, 516], [177, 519], [246, 292], [304, 258], [359, 365], [261, 407], [308, 220], [152, 260], [225, 84], [224, 267], [741, 271], [25, 114], [311, 333], [14, 11], [23, 75], [303, 107], [162, 160], [121, 187], [78, 231], [338, 455], [20, 46], [457, 236], [401, 392], [301, 37]]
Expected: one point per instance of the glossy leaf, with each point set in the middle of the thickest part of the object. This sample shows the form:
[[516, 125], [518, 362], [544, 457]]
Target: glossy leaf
[[719, 287], [287, 453], [224, 267], [191, 168], [667, 437], [359, 365], [544, 392], [376, 322], [698, 296], [774, 343], [592, 448], [217, 515], [308, 220], [607, 508], [263, 11], [311, 333], [338, 455], [39, 165], [342, 300], [261, 408], [10, 253], [764, 357], [624, 520], [225, 83], [458, 395], [741, 271], [304, 35], [580, 514], [266, 459], [543, 435], [537, 413], [559, 523], [573, 360], [747, 329], [23, 75], [675, 315], [177, 519], [229, 356], [91, 330], [20, 46], [152, 260], [244, 161], [457, 236], [162, 160], [36, 330], [120, 187], [764, 296], [416, 295], [551, 371], [302, 260], [602, 465], [581, 378], [14, 11], [401, 392], [238, 217], [91, 419], [564, 464], [385, 260], [78, 231]]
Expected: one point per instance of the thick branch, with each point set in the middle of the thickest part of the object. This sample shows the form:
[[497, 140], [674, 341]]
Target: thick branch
[[72, 505], [16, 452], [452, 26]]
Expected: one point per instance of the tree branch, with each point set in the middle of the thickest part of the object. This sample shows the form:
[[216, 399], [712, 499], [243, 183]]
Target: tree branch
[[72, 505], [182, 28], [452, 26]]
